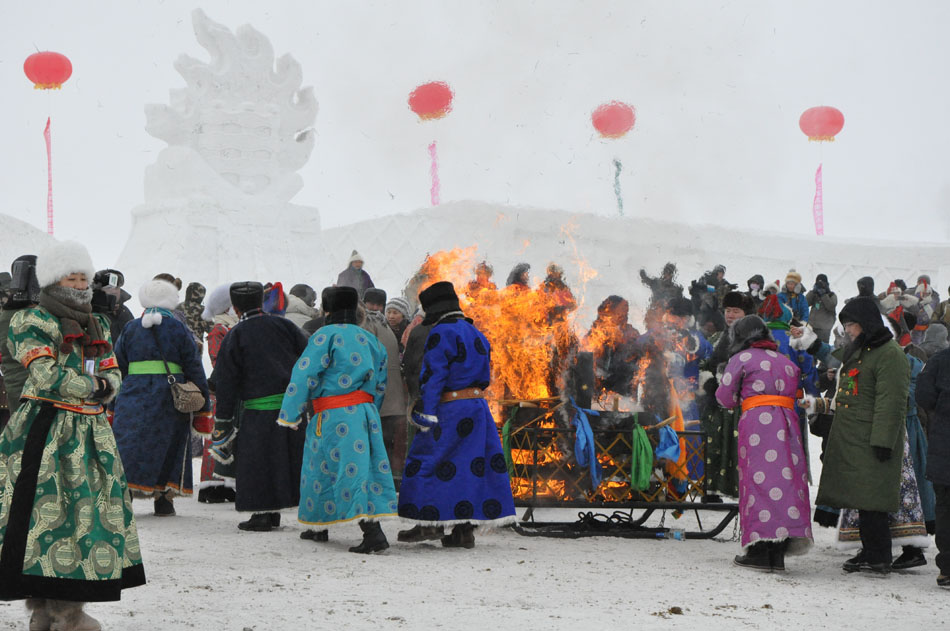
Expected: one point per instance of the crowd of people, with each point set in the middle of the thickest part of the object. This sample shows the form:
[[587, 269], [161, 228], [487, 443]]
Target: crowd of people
[[364, 407]]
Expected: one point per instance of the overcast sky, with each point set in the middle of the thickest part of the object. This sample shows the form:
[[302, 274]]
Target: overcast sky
[[718, 88]]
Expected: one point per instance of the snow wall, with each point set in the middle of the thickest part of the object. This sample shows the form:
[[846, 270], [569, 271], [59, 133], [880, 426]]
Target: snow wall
[[19, 238], [617, 247]]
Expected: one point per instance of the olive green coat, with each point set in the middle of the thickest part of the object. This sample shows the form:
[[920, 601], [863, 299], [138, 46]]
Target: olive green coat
[[870, 411]]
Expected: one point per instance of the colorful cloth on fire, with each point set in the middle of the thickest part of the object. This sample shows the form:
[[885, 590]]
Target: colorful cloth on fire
[[906, 525], [255, 362], [153, 437], [66, 525], [456, 472], [346, 473], [773, 482]]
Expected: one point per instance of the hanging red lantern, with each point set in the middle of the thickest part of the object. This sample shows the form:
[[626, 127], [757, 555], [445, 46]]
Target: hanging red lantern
[[613, 119], [47, 70], [431, 100], [821, 123]]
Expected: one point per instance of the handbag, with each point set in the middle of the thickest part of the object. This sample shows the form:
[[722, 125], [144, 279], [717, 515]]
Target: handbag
[[186, 397]]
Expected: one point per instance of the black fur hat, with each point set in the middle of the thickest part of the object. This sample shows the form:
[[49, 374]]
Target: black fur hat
[[681, 307], [340, 299], [439, 297], [246, 295], [375, 296]]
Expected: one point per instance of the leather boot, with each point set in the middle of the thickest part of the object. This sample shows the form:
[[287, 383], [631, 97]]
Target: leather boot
[[420, 533], [316, 535], [67, 615], [163, 505], [40, 620], [463, 536], [259, 522], [374, 539], [755, 557]]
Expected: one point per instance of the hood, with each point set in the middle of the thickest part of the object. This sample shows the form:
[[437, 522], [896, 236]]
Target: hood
[[297, 305]]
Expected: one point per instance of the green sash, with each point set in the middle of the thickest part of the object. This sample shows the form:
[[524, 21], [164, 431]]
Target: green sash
[[153, 367], [270, 402]]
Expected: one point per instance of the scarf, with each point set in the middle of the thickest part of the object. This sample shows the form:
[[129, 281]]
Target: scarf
[[73, 308], [767, 345]]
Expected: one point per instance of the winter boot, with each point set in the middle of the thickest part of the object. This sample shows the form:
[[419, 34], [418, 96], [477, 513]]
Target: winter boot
[[374, 539], [320, 536], [420, 533], [163, 505], [40, 620], [217, 494], [854, 563], [777, 551], [756, 557], [912, 556], [275, 520], [463, 536], [259, 522], [67, 615], [943, 581]]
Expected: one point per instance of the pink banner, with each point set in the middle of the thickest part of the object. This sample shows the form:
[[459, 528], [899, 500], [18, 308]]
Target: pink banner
[[49, 180], [818, 208], [434, 170]]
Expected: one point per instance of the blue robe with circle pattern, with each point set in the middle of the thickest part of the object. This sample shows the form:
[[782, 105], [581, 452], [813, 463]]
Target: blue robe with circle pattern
[[456, 472], [346, 473]]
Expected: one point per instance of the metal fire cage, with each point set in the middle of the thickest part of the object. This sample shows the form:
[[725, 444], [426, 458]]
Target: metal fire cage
[[545, 474]]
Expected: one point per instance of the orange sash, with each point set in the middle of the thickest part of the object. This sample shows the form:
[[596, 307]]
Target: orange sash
[[341, 401], [762, 400]]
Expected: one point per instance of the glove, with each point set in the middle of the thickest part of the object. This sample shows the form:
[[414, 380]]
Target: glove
[[103, 391], [804, 341], [807, 403], [882, 453], [424, 422], [222, 440]]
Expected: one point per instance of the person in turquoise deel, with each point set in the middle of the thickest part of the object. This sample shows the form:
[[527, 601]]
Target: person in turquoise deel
[[341, 378]]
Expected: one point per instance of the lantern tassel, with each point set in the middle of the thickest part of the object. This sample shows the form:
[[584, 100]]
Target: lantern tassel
[[618, 166], [49, 180], [434, 171], [818, 208]]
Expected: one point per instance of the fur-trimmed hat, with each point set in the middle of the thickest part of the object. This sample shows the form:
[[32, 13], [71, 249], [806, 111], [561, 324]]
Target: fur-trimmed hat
[[439, 297], [681, 307], [246, 295], [218, 302], [793, 275], [61, 259], [340, 299], [734, 300], [374, 295]]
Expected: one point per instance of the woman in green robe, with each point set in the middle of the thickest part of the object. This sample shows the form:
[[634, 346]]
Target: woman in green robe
[[67, 533]]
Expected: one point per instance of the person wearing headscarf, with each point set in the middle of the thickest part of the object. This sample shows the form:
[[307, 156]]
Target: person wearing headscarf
[[456, 474], [773, 481], [217, 479], [253, 369], [862, 461], [355, 276], [340, 379], [154, 438], [60, 549]]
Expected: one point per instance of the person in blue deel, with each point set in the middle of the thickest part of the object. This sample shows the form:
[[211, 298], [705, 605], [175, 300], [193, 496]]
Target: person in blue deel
[[455, 470]]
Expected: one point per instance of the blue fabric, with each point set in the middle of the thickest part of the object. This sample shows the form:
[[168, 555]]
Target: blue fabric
[[797, 303], [456, 472], [918, 444], [154, 439], [346, 473], [668, 444], [808, 380], [585, 449]]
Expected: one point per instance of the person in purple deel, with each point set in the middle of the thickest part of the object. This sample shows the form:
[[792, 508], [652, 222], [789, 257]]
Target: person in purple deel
[[773, 481]]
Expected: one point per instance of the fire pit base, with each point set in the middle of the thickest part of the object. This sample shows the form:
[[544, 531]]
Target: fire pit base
[[624, 524]]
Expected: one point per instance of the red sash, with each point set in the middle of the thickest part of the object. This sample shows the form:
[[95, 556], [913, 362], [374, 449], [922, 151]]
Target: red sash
[[341, 401]]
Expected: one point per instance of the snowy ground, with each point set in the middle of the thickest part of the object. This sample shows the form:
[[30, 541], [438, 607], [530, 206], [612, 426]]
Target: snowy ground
[[204, 573]]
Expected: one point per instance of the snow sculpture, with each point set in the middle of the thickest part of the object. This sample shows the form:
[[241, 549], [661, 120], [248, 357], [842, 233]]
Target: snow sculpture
[[217, 198]]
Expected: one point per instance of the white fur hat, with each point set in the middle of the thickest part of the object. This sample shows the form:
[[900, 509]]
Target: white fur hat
[[356, 256], [217, 302], [61, 259], [158, 293]]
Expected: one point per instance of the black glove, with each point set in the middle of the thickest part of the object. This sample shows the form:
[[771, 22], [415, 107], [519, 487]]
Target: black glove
[[103, 389], [882, 453], [733, 287]]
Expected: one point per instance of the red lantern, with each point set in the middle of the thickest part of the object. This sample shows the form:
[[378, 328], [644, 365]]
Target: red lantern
[[821, 123], [431, 100], [613, 119], [47, 71]]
